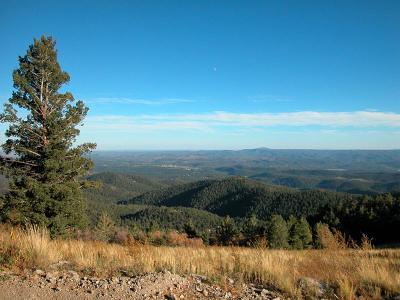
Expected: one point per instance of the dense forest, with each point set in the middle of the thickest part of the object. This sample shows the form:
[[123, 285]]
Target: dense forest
[[241, 197]]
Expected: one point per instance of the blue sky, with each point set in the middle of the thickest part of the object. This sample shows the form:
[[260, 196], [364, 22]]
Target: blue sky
[[221, 74]]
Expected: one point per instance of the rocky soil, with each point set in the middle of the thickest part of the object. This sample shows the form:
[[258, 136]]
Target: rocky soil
[[70, 285]]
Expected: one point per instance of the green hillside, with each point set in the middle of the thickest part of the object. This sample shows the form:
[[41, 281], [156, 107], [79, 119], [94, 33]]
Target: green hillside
[[166, 218], [240, 197], [117, 186]]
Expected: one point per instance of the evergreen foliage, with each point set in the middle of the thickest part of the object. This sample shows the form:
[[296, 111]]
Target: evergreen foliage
[[171, 218], [300, 235], [241, 197], [43, 166], [254, 233], [191, 230], [227, 232], [278, 234], [372, 216]]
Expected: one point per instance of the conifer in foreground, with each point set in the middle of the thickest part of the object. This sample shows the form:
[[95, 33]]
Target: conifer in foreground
[[44, 168]]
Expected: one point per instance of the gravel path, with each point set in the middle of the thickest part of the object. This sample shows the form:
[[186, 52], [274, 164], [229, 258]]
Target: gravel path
[[69, 285]]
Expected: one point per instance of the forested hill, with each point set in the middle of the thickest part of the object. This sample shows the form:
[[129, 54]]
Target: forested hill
[[117, 186], [240, 197], [166, 218]]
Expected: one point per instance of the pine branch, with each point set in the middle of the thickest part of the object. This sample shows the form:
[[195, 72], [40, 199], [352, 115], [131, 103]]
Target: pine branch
[[23, 149], [19, 162]]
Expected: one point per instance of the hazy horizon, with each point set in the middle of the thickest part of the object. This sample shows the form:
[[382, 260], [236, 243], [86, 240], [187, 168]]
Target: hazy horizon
[[239, 149]]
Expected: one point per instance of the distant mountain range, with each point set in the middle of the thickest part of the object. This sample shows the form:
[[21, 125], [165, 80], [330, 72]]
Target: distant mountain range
[[359, 160], [353, 171]]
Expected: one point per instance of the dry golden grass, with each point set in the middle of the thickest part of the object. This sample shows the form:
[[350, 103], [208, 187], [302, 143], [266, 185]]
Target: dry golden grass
[[370, 273]]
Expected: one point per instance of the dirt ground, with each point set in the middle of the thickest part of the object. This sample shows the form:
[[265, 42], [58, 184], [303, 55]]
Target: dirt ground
[[69, 285]]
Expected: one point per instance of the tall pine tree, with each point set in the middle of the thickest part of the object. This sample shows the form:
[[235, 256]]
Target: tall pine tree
[[44, 168]]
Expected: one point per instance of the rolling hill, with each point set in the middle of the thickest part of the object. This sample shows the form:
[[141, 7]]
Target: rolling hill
[[240, 197], [118, 186], [167, 218]]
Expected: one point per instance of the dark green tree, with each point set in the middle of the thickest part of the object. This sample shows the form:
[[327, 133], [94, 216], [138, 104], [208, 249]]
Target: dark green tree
[[44, 168], [226, 233], [300, 235], [190, 230], [295, 241], [253, 232], [278, 232]]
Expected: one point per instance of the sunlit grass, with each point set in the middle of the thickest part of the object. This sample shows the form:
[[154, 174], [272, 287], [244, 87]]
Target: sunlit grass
[[349, 273]]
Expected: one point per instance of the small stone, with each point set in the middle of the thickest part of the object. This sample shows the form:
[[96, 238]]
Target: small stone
[[228, 295], [231, 281], [181, 296], [115, 279], [51, 280], [205, 293], [73, 275], [266, 292], [311, 287], [40, 272]]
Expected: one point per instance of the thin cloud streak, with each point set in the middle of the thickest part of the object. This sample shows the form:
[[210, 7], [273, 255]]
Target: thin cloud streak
[[210, 121]]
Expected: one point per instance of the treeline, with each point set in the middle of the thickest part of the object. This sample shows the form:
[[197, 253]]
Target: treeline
[[276, 233], [378, 217], [355, 218]]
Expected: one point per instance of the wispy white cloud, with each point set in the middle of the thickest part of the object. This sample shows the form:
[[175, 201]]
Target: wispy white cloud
[[213, 120], [138, 101]]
